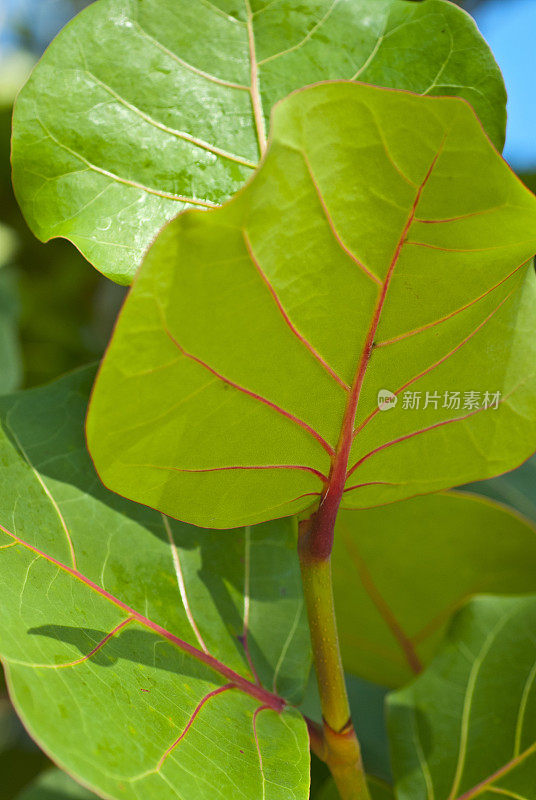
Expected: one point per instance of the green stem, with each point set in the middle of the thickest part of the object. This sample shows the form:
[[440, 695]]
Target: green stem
[[341, 750]]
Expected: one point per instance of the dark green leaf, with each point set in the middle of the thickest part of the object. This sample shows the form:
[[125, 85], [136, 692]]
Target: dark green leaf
[[141, 108], [407, 567], [467, 727]]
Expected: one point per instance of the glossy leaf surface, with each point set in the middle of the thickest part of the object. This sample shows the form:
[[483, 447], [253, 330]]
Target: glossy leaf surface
[[446, 547], [106, 150], [467, 727], [248, 358], [123, 633]]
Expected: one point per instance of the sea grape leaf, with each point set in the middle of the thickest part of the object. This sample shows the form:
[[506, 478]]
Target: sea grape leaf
[[106, 149], [446, 547], [243, 376], [467, 727], [55, 785], [123, 632], [517, 488]]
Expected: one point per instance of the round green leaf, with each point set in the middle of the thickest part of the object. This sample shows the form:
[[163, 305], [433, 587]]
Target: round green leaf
[[141, 108], [144, 655], [401, 571], [258, 336]]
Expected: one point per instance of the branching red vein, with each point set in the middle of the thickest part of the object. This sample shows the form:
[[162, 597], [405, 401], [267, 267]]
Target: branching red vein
[[82, 659], [103, 641], [448, 316], [437, 363], [200, 705], [467, 249], [268, 698], [430, 428], [313, 471], [324, 523], [332, 227], [410, 436], [327, 447], [370, 483], [461, 216], [287, 319]]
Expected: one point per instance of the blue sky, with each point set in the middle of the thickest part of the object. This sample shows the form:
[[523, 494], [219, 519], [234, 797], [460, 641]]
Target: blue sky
[[508, 25]]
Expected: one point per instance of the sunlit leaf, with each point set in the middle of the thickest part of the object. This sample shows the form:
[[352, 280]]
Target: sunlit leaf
[[407, 567], [107, 148], [135, 647], [467, 727], [246, 365]]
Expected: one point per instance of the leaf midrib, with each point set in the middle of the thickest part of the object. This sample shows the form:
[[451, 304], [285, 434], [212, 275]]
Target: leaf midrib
[[334, 489]]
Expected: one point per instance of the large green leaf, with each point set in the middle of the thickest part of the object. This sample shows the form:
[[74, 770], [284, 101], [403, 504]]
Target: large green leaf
[[444, 547], [55, 785], [246, 364], [141, 108], [122, 632], [467, 727]]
